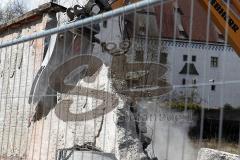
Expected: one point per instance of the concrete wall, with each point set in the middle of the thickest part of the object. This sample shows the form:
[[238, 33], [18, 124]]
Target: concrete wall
[[18, 67]]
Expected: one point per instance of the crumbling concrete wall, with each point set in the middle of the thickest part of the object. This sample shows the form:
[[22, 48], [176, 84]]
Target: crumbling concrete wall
[[68, 123], [18, 67], [211, 154]]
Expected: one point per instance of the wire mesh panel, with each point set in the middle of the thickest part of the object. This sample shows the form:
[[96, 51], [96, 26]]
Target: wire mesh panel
[[153, 80]]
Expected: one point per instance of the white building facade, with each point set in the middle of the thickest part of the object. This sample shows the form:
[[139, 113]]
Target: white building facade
[[210, 71]]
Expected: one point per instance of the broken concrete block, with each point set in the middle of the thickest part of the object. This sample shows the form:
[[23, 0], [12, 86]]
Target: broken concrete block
[[211, 154]]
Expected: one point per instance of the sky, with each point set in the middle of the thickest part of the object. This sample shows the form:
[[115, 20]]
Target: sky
[[30, 4]]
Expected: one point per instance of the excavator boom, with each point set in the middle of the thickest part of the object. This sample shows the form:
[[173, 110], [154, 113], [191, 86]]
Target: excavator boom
[[225, 19], [236, 3]]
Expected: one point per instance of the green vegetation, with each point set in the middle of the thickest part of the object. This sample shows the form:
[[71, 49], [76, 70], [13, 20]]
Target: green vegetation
[[182, 106]]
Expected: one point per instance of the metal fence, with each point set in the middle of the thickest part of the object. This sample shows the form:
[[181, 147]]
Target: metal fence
[[154, 79]]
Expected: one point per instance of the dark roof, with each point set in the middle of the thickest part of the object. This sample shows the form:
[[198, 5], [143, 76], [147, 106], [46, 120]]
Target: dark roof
[[189, 68], [31, 16]]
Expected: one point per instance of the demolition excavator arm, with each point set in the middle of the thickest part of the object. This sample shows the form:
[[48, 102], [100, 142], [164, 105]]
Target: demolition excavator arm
[[226, 19]]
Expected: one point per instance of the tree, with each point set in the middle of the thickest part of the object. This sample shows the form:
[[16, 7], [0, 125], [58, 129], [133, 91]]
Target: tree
[[13, 9], [1, 15]]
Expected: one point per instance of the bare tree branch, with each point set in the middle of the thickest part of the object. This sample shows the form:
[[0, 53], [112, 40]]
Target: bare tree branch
[[13, 9]]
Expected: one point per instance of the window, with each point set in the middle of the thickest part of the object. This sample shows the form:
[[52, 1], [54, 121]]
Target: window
[[139, 55], [183, 34], [142, 29], [214, 61], [194, 81], [105, 24], [178, 12], [189, 69], [163, 58], [221, 37], [194, 58], [185, 57], [183, 81], [213, 87]]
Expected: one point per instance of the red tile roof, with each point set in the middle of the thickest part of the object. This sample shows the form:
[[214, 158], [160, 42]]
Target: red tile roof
[[199, 21]]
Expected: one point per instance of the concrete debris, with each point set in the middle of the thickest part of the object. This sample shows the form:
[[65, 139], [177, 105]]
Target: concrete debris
[[211, 154], [86, 151], [129, 144], [131, 138], [90, 155]]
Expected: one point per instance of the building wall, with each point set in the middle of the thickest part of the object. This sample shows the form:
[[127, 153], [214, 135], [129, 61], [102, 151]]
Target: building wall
[[225, 75], [18, 67]]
